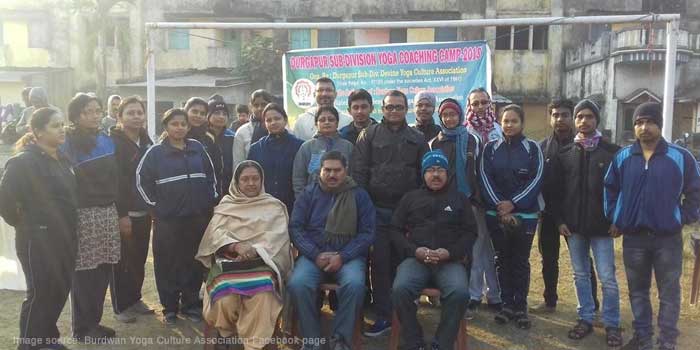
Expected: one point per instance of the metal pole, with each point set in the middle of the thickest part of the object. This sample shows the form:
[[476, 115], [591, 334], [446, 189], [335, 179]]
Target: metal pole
[[670, 78], [420, 24], [151, 82]]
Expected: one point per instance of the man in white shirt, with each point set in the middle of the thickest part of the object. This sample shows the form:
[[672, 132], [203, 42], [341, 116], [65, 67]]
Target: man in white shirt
[[305, 126]]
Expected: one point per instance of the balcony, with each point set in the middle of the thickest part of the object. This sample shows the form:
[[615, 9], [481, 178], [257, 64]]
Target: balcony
[[642, 45]]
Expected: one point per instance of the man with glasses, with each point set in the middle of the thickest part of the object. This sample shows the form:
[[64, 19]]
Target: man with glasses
[[325, 94], [387, 163]]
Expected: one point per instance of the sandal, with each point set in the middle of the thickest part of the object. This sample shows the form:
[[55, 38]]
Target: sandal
[[522, 321], [613, 336], [580, 330], [504, 316]]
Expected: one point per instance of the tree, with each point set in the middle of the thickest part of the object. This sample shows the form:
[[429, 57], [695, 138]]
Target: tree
[[261, 62]]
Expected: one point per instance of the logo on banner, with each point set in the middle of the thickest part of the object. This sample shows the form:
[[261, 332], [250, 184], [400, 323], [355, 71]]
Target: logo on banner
[[303, 93]]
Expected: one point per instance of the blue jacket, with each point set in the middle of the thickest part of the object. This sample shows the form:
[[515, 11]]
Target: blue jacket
[[275, 153], [225, 143], [177, 182], [660, 195], [512, 171], [309, 220], [96, 171]]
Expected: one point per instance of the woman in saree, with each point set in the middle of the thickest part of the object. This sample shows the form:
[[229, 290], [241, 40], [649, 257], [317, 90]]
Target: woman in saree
[[247, 250]]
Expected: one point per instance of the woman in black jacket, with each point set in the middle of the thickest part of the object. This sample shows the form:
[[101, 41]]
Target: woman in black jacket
[[131, 141], [38, 198], [99, 244]]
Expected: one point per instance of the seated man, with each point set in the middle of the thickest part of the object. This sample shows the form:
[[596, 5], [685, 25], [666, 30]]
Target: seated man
[[332, 226], [432, 229]]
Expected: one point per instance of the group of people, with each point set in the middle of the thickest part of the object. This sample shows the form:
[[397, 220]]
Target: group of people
[[262, 214]]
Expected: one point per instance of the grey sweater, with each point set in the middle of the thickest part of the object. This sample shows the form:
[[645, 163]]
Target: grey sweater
[[307, 163]]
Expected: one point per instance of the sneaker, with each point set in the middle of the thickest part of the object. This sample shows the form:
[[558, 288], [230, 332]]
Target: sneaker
[[194, 314], [472, 309], [141, 308], [379, 328], [638, 344], [666, 346], [125, 316], [170, 318], [543, 308], [505, 316]]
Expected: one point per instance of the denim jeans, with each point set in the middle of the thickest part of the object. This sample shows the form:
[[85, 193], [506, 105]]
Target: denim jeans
[[603, 249], [303, 287], [664, 254], [411, 277], [513, 261], [483, 267], [382, 262]]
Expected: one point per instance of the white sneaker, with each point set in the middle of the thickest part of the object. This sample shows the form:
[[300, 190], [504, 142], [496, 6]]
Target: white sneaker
[[125, 316]]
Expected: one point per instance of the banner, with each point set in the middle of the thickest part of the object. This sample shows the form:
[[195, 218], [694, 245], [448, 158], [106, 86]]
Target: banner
[[447, 69]]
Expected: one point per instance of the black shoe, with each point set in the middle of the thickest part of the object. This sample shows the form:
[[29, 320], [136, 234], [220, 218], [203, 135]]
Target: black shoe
[[194, 314], [472, 309], [97, 334], [170, 318], [638, 344], [666, 346], [505, 316], [521, 320], [494, 307]]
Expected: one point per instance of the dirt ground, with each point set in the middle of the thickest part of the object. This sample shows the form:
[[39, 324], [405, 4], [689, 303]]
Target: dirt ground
[[548, 332]]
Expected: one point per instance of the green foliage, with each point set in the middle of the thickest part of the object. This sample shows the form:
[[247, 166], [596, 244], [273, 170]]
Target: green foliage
[[261, 62]]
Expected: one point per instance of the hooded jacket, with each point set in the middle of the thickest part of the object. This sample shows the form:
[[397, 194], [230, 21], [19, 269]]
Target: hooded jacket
[[128, 155], [660, 195], [434, 219], [577, 177], [307, 163], [175, 182], [511, 170], [387, 162], [275, 153]]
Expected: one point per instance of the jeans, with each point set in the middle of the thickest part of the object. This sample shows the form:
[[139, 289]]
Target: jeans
[[513, 261], [303, 287], [604, 255], [643, 253], [411, 277], [382, 263], [483, 268]]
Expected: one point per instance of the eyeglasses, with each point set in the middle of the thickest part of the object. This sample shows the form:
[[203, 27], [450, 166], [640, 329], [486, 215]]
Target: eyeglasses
[[482, 103], [438, 170], [398, 108]]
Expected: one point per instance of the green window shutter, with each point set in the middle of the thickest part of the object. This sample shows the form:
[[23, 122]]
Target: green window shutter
[[300, 39], [179, 39], [445, 34], [328, 38]]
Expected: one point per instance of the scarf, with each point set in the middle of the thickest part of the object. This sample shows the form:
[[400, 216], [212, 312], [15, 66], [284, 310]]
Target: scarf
[[341, 224], [261, 221], [588, 143], [483, 124], [259, 130], [460, 136]]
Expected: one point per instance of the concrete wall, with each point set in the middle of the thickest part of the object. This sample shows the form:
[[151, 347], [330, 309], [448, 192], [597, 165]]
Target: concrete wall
[[17, 52], [521, 73], [11, 92]]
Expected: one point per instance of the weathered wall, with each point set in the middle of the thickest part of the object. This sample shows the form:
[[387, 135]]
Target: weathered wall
[[521, 73]]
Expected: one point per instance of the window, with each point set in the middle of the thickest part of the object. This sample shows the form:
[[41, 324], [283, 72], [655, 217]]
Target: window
[[540, 37], [398, 36], [328, 38], [299, 39], [521, 37], [445, 34], [502, 38], [38, 35], [179, 39]]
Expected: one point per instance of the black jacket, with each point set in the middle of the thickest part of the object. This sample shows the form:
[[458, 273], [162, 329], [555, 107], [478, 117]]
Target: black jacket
[[96, 171], [350, 132], [429, 131], [208, 140], [128, 155], [434, 219], [448, 147], [387, 162], [578, 177], [38, 194], [550, 148]]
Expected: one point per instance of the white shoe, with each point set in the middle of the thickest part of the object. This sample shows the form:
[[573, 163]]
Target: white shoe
[[125, 316]]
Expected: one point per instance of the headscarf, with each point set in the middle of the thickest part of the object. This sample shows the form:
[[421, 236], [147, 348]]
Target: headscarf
[[261, 221], [483, 124], [460, 135], [588, 143]]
